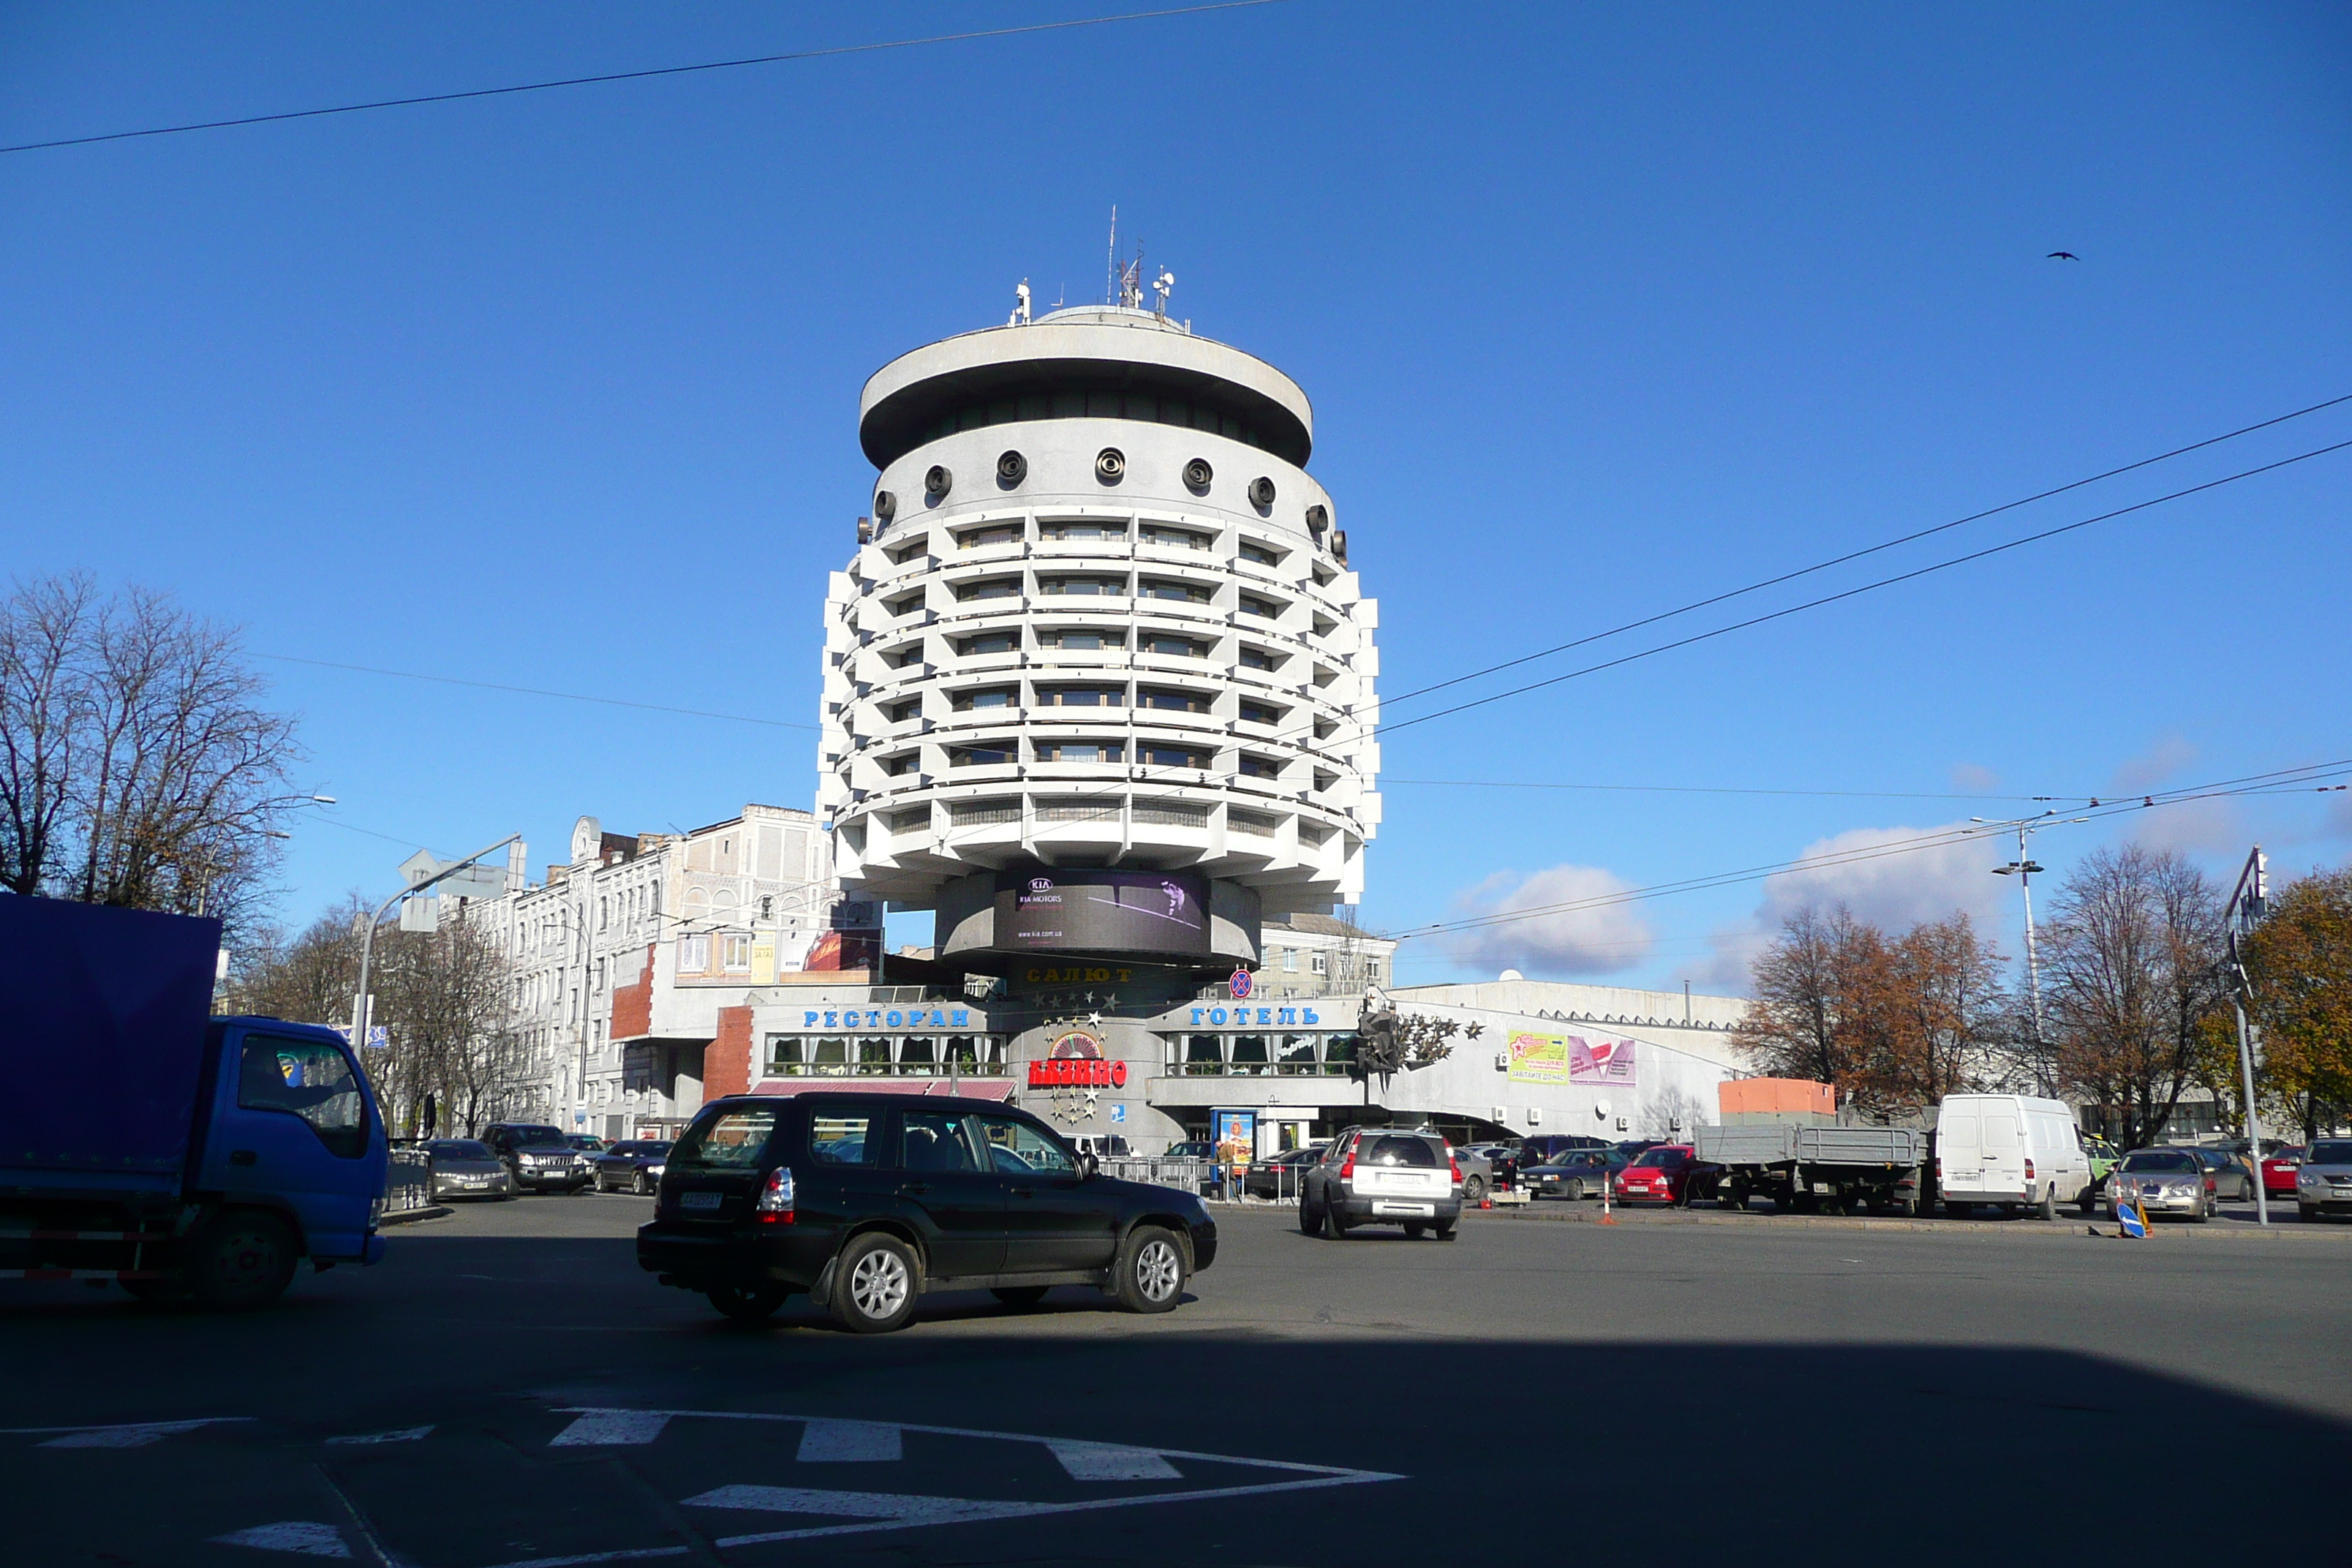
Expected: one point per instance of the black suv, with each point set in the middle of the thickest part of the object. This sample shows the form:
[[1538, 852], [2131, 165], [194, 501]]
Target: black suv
[[539, 1159], [863, 1203]]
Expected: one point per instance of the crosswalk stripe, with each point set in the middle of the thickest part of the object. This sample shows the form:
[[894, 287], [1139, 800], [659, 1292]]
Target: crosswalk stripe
[[905, 1508], [598, 1428], [1110, 1462], [850, 1442]]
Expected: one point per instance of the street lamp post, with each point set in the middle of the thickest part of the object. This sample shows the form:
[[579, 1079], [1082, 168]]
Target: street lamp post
[[2023, 867], [2249, 900], [367, 936]]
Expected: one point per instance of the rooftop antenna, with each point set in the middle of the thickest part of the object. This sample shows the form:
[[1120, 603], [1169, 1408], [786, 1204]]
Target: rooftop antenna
[[1111, 259], [1019, 305], [1163, 286], [1130, 282]]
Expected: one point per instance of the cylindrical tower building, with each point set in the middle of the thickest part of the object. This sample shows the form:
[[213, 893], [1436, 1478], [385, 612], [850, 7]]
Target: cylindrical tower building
[[1099, 680]]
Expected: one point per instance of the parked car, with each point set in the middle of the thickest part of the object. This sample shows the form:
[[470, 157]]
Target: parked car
[[635, 1165], [867, 1202], [1545, 1147], [2103, 1155], [1101, 1146], [2279, 1169], [2232, 1178], [1578, 1174], [587, 1144], [465, 1168], [1477, 1174], [1278, 1176], [1372, 1175], [2323, 1182], [1199, 1149], [539, 1158], [2163, 1181], [1666, 1174], [1501, 1159]]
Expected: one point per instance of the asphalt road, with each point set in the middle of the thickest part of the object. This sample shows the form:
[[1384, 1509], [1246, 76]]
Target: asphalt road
[[508, 1388]]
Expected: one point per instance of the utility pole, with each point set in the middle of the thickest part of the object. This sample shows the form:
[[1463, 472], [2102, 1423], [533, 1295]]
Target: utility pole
[[2248, 903], [2023, 867]]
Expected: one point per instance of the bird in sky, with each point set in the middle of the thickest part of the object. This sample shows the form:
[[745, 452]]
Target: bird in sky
[[2061, 256]]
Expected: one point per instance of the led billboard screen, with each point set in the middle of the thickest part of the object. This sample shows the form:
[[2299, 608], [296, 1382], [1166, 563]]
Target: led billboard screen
[[1099, 909]]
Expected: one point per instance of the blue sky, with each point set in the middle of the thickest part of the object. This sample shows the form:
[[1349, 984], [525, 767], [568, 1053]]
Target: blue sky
[[1603, 309]]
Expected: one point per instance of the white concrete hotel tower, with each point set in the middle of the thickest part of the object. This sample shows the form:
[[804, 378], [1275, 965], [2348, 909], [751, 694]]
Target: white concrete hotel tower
[[1101, 617]]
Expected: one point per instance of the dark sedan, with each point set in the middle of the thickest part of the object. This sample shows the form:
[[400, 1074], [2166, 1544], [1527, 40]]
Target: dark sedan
[[465, 1168], [633, 1166], [864, 1202], [2232, 1178], [1277, 1177], [1578, 1174]]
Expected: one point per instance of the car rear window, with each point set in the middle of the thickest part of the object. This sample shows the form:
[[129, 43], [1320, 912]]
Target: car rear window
[[1393, 1149], [2159, 1160], [732, 1139], [1661, 1159]]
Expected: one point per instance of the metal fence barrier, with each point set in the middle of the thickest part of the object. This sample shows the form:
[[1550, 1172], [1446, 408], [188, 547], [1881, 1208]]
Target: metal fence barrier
[[408, 1180], [1182, 1172]]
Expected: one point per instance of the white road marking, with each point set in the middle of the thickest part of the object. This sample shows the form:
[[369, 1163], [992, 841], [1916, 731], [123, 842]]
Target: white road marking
[[899, 1508], [1110, 1462], [298, 1536], [612, 1427], [850, 1442], [404, 1435], [135, 1434]]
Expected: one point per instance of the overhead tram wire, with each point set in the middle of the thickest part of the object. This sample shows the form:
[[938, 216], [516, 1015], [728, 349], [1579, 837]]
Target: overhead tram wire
[[536, 691], [1871, 549], [2278, 783], [644, 75], [1973, 555]]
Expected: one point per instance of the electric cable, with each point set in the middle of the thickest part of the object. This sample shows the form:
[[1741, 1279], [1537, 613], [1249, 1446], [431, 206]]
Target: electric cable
[[633, 74], [1875, 548]]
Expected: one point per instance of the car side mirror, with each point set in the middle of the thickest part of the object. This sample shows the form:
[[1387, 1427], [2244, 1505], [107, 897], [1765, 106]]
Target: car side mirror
[[1088, 1168]]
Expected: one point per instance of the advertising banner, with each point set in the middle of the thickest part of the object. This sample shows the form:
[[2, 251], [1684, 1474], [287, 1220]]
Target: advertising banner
[[1236, 1137], [1595, 1059], [1097, 909]]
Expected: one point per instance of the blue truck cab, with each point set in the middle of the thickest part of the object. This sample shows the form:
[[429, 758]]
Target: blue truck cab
[[143, 1142]]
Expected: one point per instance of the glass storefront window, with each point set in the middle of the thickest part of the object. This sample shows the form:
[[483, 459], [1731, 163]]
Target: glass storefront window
[[1295, 1055], [915, 1054], [1338, 1054], [1249, 1056], [831, 1058], [1205, 1056], [874, 1055]]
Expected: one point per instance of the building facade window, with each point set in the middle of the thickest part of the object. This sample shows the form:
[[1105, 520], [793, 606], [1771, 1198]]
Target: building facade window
[[993, 697], [1170, 757], [980, 756], [1081, 752], [694, 954]]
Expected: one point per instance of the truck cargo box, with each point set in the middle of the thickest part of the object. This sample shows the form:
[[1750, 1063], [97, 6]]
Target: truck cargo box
[[102, 1018], [1767, 1143]]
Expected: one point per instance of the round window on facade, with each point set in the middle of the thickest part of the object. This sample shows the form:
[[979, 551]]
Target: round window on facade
[[886, 506], [938, 482], [1110, 465], [1010, 470], [1261, 493], [1197, 475]]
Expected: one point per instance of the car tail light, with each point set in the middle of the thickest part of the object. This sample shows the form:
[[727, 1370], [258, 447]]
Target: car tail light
[[2209, 1183], [2029, 1170], [1455, 1166], [775, 1205], [1347, 1167]]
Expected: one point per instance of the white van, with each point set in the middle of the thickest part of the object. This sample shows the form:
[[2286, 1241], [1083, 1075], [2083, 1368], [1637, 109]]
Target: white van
[[2010, 1149]]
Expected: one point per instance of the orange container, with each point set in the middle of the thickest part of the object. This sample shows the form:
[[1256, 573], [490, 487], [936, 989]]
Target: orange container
[[1765, 1095]]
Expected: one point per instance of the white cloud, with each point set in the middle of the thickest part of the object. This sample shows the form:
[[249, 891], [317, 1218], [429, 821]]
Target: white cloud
[[1564, 942], [1976, 780], [2167, 757], [1899, 889], [2193, 828]]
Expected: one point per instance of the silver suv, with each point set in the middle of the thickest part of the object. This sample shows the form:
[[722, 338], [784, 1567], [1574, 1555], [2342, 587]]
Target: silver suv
[[1372, 1175]]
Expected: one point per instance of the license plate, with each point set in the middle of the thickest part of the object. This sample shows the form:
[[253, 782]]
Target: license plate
[[1385, 1205], [699, 1200]]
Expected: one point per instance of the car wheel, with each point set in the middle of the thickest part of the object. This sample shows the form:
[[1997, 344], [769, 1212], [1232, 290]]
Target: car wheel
[[1474, 1190], [1908, 1208], [2048, 1207], [241, 1260], [1311, 1218], [641, 1186], [744, 1306], [1020, 1295], [873, 1284], [1444, 1230], [597, 1181], [1414, 1230], [1575, 1192], [1152, 1269]]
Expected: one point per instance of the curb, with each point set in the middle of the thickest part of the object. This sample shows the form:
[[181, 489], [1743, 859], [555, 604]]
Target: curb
[[2227, 1231], [405, 1216]]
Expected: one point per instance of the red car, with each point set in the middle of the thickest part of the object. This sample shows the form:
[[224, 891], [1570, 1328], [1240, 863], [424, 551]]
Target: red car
[[1659, 1175], [2278, 1171]]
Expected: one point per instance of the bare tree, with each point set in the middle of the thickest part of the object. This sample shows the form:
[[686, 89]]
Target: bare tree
[[2131, 970], [1951, 1011], [138, 766]]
